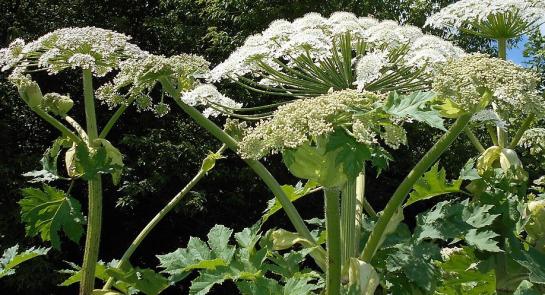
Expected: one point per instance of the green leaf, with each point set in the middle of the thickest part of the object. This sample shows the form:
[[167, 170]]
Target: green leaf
[[261, 286], [144, 280], [300, 286], [218, 240], [100, 273], [526, 288], [204, 282], [351, 155], [101, 160], [293, 193], [48, 211], [531, 259], [414, 106], [49, 171], [11, 258], [115, 159], [432, 184], [463, 273], [469, 172], [483, 240]]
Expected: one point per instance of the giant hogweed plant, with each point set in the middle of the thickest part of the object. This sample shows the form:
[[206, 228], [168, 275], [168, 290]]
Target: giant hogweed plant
[[354, 82]]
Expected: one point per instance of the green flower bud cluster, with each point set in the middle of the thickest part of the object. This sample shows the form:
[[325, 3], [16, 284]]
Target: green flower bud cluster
[[535, 226], [513, 88], [303, 121], [57, 104]]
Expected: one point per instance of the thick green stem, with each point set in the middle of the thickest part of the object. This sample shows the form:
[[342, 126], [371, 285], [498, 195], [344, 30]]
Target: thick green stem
[[258, 168], [405, 187], [361, 204], [94, 220], [348, 218], [474, 140], [525, 125], [158, 217], [502, 53], [334, 256]]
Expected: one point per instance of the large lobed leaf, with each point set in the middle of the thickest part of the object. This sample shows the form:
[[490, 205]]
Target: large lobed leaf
[[432, 184], [49, 211], [414, 106]]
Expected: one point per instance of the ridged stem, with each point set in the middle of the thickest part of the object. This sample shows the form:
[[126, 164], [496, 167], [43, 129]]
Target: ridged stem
[[348, 220], [158, 217], [94, 219], [361, 203], [405, 187], [319, 253], [333, 227], [474, 140]]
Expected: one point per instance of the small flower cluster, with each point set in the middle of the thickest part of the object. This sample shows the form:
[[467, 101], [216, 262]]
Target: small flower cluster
[[96, 49], [513, 87], [208, 95], [470, 14], [304, 120], [314, 35], [534, 140], [138, 77]]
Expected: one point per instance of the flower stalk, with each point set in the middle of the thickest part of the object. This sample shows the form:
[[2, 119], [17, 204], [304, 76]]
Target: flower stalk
[[160, 215], [348, 218], [259, 169], [405, 187], [94, 221]]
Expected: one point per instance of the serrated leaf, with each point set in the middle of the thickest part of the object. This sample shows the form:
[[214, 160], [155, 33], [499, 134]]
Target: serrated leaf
[[100, 273], [462, 272], [204, 282], [261, 286], [145, 280], [299, 286], [11, 258], [47, 212], [432, 184], [115, 159], [531, 259], [478, 216], [218, 240], [293, 193], [482, 240], [103, 159], [351, 155], [469, 172], [414, 106]]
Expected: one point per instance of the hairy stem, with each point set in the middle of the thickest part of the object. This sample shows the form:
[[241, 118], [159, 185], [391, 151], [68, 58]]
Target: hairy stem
[[474, 140], [334, 256], [92, 240], [158, 217], [405, 187], [319, 253], [348, 218], [525, 125]]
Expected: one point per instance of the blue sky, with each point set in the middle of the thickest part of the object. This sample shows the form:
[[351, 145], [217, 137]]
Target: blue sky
[[515, 53]]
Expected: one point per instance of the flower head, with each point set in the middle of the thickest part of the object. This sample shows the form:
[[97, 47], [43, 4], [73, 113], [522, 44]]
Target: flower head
[[534, 140], [304, 121], [377, 49], [513, 88], [208, 95], [138, 77], [96, 49], [495, 19]]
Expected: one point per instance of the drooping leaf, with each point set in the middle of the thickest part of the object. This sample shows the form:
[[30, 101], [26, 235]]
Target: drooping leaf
[[413, 106], [300, 286], [261, 286], [145, 280], [11, 258], [293, 193], [115, 158], [469, 172], [49, 171], [48, 211], [100, 273], [531, 259], [103, 159], [432, 184]]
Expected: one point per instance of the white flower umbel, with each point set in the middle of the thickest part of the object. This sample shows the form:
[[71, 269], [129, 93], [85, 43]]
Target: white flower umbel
[[534, 140], [137, 78], [308, 44], [208, 95], [494, 19], [91, 48]]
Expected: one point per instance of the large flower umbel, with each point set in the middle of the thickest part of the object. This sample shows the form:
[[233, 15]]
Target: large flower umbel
[[494, 19], [513, 88], [96, 49], [313, 54]]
